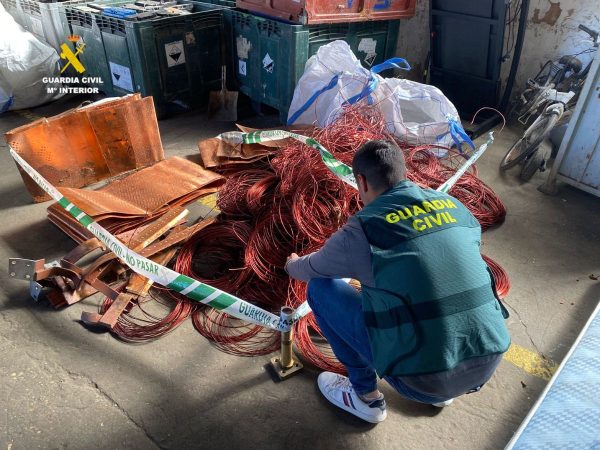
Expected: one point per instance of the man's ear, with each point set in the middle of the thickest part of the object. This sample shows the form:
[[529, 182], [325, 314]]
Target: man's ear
[[363, 182]]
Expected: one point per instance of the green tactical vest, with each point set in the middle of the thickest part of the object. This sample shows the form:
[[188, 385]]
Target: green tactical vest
[[433, 304]]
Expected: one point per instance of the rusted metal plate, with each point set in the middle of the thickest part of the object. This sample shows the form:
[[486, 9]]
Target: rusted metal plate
[[144, 192], [331, 11], [137, 198], [88, 144], [218, 154]]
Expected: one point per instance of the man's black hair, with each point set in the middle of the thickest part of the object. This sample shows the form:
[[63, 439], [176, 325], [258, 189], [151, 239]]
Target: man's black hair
[[381, 163]]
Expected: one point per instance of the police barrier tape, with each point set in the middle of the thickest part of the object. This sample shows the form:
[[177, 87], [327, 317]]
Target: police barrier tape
[[341, 170], [164, 276], [445, 187], [195, 289]]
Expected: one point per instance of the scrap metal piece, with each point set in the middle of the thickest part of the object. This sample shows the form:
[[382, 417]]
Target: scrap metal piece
[[88, 144], [35, 271], [90, 318], [159, 227], [111, 316], [92, 275], [35, 289], [137, 287], [215, 152], [24, 269], [137, 198]]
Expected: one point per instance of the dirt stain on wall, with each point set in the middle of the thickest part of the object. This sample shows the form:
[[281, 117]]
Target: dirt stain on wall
[[550, 16]]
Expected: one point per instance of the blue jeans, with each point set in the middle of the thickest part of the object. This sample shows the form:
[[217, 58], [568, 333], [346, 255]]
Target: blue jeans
[[338, 309]]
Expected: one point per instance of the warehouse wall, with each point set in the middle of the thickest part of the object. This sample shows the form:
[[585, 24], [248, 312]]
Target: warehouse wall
[[413, 40], [551, 32]]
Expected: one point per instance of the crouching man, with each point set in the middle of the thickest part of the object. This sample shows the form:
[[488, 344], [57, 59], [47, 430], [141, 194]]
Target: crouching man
[[427, 320]]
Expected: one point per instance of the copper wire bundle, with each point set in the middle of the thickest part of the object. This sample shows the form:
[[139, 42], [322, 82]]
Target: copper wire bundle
[[235, 336], [500, 277], [141, 322], [215, 255], [233, 195], [295, 206]]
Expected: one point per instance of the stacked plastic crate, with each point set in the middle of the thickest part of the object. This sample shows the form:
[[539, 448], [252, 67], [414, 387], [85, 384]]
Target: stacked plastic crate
[[151, 49], [271, 40], [177, 58]]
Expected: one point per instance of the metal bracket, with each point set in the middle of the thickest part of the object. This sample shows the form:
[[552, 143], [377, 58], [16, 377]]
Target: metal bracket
[[52, 264], [35, 289], [22, 269], [282, 372], [556, 96]]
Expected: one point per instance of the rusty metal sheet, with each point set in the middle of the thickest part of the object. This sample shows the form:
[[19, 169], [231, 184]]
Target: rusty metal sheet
[[216, 154], [137, 198], [88, 144], [124, 144], [146, 191]]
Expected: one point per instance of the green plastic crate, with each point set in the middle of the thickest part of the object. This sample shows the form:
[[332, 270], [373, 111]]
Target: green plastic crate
[[225, 3], [74, 21], [269, 56], [83, 24], [176, 60], [33, 18]]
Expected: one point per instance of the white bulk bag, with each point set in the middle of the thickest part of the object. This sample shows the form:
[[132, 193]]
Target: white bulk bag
[[24, 62], [417, 113]]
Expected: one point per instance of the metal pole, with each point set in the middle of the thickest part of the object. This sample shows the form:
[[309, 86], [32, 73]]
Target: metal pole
[[286, 365], [287, 339], [516, 56], [445, 187]]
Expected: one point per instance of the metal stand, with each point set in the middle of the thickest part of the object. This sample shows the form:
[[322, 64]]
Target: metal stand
[[286, 365]]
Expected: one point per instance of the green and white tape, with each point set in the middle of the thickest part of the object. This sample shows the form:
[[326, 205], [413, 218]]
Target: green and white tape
[[341, 170], [164, 276], [195, 289], [445, 187]]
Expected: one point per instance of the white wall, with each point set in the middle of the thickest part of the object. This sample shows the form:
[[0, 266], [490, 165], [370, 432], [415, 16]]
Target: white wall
[[551, 32], [413, 40]]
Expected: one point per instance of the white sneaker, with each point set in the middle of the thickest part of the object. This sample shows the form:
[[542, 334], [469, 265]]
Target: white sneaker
[[339, 391], [443, 404]]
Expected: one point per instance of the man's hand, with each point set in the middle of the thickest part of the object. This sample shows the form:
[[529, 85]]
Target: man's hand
[[291, 258]]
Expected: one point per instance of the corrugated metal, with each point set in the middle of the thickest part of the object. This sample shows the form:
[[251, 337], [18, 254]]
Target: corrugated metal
[[578, 160]]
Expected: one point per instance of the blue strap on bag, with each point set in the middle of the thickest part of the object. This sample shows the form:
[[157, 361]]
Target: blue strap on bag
[[392, 63], [457, 133], [7, 104], [332, 83]]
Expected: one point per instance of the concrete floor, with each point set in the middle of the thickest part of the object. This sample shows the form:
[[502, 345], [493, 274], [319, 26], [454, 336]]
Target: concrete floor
[[63, 386]]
